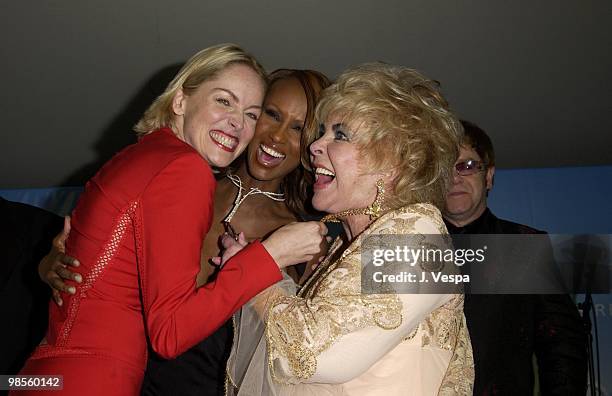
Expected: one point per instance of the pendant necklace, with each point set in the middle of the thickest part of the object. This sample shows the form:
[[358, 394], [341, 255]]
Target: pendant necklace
[[235, 179]]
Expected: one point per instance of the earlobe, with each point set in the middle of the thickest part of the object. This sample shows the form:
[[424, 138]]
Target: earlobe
[[178, 102], [490, 177]]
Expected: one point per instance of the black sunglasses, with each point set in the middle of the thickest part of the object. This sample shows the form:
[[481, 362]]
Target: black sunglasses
[[470, 167]]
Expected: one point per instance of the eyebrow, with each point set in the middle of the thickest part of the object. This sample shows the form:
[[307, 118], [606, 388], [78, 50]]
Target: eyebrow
[[278, 109], [334, 127], [233, 95]]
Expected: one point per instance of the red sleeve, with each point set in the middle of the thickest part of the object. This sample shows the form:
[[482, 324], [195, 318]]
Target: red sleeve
[[173, 217]]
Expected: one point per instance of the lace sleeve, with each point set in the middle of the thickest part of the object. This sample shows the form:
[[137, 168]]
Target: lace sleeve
[[333, 332]]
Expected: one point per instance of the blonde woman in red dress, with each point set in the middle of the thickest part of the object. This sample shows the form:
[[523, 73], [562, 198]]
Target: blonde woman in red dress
[[138, 229]]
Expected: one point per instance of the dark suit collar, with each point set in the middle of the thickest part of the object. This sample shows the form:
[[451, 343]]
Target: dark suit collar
[[482, 225]]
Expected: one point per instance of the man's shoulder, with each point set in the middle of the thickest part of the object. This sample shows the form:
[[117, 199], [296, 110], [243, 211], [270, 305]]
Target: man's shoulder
[[510, 227]]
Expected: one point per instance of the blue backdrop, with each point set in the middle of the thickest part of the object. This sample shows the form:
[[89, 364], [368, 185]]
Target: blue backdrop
[[564, 201], [557, 200]]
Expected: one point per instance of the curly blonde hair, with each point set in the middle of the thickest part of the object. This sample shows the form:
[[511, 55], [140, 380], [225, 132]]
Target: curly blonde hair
[[203, 66], [403, 125]]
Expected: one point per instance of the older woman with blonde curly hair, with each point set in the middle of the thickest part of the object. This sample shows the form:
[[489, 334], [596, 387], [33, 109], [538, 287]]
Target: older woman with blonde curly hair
[[383, 160]]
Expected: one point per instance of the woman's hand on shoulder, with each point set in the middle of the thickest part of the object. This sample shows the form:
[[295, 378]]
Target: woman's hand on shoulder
[[53, 268]]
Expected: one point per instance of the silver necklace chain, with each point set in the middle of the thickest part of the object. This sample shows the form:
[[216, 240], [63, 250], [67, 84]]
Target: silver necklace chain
[[236, 181]]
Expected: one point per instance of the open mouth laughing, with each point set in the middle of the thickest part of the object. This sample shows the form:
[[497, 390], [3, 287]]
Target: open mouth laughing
[[268, 156], [224, 141], [323, 177]]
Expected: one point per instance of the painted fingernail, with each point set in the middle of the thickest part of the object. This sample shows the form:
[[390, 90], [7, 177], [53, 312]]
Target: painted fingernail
[[71, 290], [78, 278]]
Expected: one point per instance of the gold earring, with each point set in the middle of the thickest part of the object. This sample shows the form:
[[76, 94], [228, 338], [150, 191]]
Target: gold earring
[[375, 210]]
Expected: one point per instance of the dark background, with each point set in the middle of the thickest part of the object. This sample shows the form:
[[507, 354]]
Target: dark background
[[77, 74]]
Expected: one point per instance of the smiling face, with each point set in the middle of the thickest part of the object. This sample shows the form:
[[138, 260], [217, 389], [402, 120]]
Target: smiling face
[[275, 149], [343, 180], [467, 198], [218, 118]]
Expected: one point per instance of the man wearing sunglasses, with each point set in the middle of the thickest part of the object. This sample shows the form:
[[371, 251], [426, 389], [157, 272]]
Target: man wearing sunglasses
[[508, 330]]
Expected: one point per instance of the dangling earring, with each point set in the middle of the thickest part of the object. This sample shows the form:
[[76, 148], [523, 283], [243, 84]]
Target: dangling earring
[[374, 210]]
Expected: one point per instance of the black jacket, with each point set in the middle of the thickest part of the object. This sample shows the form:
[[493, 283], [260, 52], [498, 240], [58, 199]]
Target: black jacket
[[508, 330], [25, 237]]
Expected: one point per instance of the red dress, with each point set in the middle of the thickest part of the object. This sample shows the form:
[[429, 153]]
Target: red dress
[[137, 231]]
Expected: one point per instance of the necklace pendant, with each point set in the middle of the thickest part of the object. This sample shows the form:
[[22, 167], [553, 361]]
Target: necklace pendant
[[374, 211]]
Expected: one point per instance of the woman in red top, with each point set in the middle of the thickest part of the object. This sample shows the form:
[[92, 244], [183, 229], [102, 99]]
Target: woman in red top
[[138, 231]]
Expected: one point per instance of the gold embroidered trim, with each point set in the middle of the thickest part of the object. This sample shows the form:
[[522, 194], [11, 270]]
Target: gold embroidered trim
[[459, 376], [331, 305]]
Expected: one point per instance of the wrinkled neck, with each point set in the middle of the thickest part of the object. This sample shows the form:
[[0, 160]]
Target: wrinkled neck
[[355, 225]]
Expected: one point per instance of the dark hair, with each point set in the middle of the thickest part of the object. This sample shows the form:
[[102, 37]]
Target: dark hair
[[476, 138], [297, 185]]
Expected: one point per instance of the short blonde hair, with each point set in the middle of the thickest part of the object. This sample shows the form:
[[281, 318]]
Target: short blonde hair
[[404, 126], [202, 66]]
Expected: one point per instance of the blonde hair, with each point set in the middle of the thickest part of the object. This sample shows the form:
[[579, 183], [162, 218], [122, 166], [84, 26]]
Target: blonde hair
[[202, 66], [404, 126]]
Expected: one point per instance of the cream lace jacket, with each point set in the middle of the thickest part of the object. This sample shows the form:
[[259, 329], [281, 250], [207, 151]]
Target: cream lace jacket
[[331, 339]]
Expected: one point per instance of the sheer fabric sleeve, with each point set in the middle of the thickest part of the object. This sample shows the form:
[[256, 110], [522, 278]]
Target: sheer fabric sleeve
[[247, 368], [172, 217]]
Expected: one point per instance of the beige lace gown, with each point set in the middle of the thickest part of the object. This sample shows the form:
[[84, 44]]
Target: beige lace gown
[[331, 339]]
